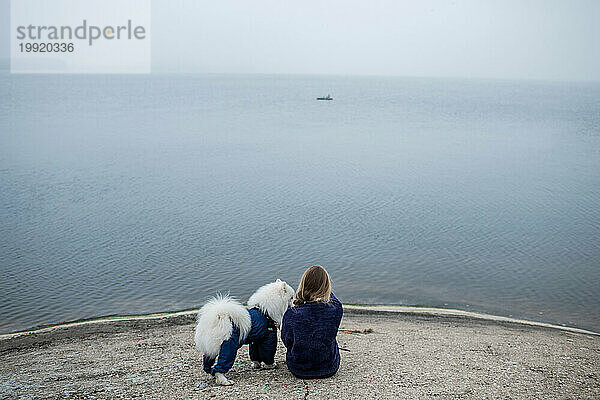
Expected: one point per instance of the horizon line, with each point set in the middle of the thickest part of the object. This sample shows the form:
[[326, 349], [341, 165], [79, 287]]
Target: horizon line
[[325, 74]]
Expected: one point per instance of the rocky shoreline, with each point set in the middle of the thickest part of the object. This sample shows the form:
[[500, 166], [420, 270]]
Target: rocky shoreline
[[387, 352]]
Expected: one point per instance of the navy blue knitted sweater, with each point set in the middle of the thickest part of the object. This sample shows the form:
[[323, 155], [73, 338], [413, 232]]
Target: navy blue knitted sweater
[[309, 332]]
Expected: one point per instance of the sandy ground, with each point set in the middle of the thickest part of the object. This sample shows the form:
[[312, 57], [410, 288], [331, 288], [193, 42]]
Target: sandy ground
[[407, 355]]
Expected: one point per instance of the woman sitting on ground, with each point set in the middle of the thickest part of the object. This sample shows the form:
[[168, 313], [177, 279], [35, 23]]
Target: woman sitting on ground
[[309, 329]]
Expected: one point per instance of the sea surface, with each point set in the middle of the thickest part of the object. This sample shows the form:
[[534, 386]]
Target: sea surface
[[132, 194]]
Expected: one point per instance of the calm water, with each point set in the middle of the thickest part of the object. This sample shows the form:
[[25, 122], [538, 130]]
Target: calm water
[[127, 194]]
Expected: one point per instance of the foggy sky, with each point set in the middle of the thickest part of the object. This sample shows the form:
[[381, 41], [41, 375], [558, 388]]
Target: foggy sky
[[551, 40]]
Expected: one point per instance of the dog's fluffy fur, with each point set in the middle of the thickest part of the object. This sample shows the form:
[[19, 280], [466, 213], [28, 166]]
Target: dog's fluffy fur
[[215, 323], [273, 299], [217, 317]]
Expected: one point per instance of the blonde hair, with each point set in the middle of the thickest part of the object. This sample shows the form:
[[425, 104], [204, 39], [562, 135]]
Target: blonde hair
[[315, 285]]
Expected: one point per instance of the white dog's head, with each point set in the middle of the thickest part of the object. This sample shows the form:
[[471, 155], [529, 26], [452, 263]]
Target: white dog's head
[[273, 299]]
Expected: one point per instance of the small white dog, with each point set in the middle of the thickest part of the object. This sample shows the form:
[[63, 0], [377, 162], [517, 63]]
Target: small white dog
[[224, 325]]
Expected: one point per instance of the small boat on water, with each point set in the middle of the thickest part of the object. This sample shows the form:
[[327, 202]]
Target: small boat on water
[[325, 98]]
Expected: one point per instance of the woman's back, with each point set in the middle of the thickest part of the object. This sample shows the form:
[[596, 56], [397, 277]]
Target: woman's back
[[309, 332]]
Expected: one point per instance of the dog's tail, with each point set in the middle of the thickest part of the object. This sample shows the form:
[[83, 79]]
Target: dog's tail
[[216, 320]]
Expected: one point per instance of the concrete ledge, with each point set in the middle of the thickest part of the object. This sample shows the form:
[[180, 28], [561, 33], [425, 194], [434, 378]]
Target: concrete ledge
[[387, 352], [408, 310], [431, 311]]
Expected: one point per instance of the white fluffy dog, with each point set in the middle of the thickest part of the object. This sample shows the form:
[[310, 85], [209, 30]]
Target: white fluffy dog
[[224, 325]]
